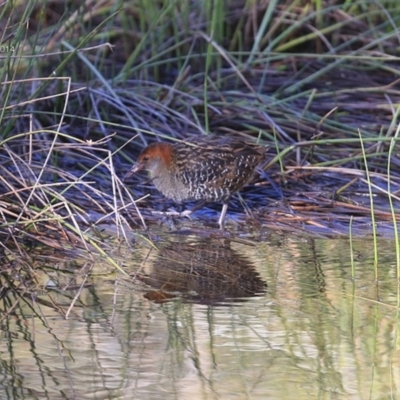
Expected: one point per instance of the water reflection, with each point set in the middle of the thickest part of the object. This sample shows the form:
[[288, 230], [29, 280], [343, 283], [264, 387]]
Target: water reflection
[[201, 270], [318, 331]]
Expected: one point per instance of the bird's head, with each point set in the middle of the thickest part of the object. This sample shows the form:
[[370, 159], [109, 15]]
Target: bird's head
[[155, 157]]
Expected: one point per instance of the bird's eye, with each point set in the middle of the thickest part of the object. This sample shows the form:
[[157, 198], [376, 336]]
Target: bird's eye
[[146, 158]]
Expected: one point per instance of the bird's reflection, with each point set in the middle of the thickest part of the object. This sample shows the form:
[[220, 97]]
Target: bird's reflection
[[206, 271]]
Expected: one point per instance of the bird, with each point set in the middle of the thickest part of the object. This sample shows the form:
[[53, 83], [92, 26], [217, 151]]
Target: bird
[[207, 168]]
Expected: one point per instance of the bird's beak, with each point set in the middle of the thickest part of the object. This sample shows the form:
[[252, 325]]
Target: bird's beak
[[136, 168]]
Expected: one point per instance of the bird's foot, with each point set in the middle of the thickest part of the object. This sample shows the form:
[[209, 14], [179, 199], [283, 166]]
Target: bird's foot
[[173, 213], [167, 213], [186, 213]]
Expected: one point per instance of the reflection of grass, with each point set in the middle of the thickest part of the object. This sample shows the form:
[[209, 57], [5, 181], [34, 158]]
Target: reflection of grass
[[85, 89], [392, 209]]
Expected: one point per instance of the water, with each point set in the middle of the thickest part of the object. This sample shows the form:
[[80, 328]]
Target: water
[[207, 318]]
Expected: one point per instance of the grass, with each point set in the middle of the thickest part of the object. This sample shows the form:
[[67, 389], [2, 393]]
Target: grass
[[85, 89]]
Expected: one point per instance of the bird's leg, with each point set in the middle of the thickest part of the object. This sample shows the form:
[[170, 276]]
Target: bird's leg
[[201, 204], [196, 207], [221, 220]]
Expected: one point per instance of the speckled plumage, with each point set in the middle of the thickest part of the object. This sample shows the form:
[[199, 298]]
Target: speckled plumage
[[207, 168]]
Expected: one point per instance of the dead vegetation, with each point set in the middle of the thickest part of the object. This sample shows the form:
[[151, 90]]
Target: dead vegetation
[[85, 87]]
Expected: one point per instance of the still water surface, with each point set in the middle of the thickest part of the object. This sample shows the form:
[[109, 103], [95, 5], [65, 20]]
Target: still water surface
[[209, 318]]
